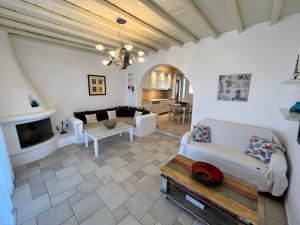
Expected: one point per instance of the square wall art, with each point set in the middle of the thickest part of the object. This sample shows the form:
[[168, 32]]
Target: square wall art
[[234, 87], [97, 85]]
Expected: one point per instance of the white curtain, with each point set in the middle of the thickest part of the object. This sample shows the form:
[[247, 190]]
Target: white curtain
[[6, 185]]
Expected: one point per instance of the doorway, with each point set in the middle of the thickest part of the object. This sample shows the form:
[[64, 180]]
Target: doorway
[[166, 91]]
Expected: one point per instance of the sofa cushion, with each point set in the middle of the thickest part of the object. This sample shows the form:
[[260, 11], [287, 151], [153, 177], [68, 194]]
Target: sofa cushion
[[81, 116], [112, 114], [123, 111], [132, 111], [102, 115], [201, 134], [260, 149], [92, 118]]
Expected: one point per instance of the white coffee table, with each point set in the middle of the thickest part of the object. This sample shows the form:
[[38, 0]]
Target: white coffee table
[[100, 132]]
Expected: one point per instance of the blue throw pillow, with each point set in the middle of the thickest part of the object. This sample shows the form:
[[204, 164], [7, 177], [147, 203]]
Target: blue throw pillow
[[201, 134], [260, 149]]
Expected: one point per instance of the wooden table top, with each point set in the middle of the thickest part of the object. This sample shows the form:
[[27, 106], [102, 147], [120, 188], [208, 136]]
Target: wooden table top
[[233, 196]]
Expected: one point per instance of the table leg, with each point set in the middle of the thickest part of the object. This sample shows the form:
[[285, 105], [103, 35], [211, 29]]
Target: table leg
[[96, 148], [164, 185], [183, 116], [86, 140], [131, 134]]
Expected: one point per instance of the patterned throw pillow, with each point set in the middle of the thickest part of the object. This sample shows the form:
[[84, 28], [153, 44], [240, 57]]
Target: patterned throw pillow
[[260, 149], [112, 114], [92, 118], [201, 134]]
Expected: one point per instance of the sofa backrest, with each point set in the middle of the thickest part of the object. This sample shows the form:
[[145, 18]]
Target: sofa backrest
[[234, 135], [121, 111]]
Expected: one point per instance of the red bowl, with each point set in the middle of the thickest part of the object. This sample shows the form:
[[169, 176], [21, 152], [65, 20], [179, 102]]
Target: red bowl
[[206, 173]]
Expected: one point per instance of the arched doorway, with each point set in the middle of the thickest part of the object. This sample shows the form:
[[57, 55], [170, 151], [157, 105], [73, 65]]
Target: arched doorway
[[166, 91]]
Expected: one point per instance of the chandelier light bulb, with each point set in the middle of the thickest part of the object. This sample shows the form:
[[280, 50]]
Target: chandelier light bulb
[[112, 53], [141, 59], [105, 62], [128, 47], [100, 47], [140, 53]]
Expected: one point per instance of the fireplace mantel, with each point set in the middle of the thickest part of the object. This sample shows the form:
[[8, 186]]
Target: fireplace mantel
[[28, 116]]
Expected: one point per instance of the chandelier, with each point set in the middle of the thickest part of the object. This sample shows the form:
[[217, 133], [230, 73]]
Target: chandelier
[[122, 56]]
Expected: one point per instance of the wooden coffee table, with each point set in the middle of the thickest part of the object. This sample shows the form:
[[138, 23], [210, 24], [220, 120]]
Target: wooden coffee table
[[231, 203]]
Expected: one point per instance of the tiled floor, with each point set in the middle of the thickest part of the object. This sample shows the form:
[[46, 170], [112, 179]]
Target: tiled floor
[[172, 126], [121, 187]]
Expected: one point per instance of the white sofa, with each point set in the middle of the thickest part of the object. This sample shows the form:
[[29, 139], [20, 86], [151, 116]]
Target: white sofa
[[229, 142], [143, 125]]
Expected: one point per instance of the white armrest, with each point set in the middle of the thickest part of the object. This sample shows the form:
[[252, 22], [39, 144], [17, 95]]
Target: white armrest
[[77, 128], [145, 124], [278, 162], [186, 138]]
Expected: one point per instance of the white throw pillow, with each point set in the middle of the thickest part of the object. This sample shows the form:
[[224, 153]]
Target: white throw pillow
[[137, 113], [112, 114], [92, 118]]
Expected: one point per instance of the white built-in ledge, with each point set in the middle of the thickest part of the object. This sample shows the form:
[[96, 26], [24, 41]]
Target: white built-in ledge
[[290, 115], [28, 116], [292, 81]]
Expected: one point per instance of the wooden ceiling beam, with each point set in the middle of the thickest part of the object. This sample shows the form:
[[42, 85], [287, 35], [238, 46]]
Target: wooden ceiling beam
[[154, 7], [55, 41], [202, 19], [139, 22], [235, 15], [129, 36], [277, 5], [103, 37]]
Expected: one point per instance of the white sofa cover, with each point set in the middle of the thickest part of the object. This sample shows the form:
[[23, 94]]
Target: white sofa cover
[[229, 142], [145, 124]]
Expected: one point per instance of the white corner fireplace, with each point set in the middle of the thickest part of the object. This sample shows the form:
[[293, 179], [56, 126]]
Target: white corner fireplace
[[24, 118]]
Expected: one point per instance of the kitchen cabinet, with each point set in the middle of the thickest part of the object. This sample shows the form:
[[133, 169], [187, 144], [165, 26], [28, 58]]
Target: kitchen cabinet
[[159, 81], [157, 106]]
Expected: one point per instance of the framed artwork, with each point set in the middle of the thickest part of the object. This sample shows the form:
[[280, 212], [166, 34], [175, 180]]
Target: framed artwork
[[97, 85], [234, 87]]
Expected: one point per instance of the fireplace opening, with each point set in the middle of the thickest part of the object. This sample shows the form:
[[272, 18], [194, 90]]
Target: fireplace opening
[[34, 132]]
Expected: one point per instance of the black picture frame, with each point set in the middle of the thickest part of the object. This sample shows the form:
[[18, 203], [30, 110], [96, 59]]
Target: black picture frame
[[94, 85]]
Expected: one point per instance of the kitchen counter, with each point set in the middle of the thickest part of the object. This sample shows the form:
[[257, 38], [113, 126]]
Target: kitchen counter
[[158, 99]]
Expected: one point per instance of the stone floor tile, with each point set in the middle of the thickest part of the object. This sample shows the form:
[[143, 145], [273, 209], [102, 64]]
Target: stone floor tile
[[106, 180], [21, 195], [138, 205], [198, 222], [27, 173], [120, 212], [62, 186], [120, 175], [148, 219], [112, 195], [74, 198], [21, 182], [47, 162], [151, 170], [116, 162], [65, 172], [32, 164], [136, 149], [129, 187], [139, 174], [142, 156], [129, 220], [165, 212], [86, 166], [160, 156], [103, 171], [89, 186], [134, 166], [150, 187], [101, 217], [71, 150], [271, 221], [55, 215], [63, 196], [86, 207], [71, 221], [41, 178], [30, 222], [33, 208], [73, 159], [185, 218], [38, 190]]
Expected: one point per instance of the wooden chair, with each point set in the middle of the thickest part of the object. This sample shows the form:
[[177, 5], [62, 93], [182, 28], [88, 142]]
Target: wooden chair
[[188, 112], [175, 111]]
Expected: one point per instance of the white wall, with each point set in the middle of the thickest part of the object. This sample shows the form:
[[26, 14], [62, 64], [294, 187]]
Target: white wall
[[269, 53], [60, 75]]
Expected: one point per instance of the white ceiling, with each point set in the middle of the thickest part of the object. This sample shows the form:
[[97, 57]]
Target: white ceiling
[[151, 24]]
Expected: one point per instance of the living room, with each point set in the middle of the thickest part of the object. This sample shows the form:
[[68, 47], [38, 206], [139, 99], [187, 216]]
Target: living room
[[48, 50]]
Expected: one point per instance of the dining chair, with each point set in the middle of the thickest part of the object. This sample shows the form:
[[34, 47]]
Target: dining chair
[[175, 112]]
